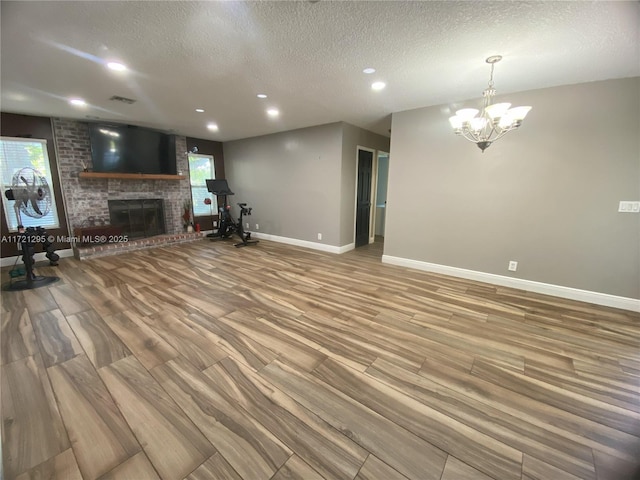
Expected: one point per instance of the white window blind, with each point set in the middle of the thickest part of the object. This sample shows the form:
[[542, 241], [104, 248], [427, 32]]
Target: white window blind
[[31, 154], [201, 168]]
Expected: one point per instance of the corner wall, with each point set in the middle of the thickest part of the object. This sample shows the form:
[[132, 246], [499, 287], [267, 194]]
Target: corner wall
[[546, 195], [291, 180], [301, 182]]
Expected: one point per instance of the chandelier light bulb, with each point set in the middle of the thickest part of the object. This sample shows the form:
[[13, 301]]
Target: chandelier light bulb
[[497, 110], [477, 123], [466, 114], [456, 122], [483, 127], [518, 113], [505, 121]]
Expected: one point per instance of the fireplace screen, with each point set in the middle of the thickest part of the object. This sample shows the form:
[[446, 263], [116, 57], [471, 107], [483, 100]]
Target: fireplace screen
[[138, 218]]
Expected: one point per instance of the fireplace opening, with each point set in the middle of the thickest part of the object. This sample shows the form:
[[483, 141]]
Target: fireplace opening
[[138, 218]]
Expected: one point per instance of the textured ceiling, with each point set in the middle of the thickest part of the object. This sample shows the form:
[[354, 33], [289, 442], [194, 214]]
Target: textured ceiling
[[306, 56]]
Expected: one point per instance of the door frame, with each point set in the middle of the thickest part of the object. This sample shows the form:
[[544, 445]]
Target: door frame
[[379, 153], [374, 182]]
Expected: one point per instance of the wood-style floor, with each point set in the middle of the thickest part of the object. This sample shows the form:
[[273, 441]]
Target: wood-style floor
[[203, 361]]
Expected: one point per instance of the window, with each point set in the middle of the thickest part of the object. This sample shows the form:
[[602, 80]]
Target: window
[[201, 168], [25, 167]]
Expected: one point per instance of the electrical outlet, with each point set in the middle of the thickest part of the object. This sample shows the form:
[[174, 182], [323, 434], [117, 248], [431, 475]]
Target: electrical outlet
[[257, 226], [319, 236], [247, 224], [513, 266], [215, 223]]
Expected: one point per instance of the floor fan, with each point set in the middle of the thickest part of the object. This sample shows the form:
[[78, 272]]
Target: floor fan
[[31, 195]]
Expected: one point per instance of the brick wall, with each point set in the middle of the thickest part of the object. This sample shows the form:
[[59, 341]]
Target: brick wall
[[86, 198]]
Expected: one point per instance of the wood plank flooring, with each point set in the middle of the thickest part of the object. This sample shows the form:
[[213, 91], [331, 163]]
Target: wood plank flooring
[[202, 361]]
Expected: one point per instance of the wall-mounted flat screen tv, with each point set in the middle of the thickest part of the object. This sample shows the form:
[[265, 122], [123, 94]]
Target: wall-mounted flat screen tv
[[131, 149]]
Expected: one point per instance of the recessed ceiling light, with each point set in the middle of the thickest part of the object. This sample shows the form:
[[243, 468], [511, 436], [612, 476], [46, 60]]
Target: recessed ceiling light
[[78, 102], [261, 95], [116, 66], [273, 112], [200, 110], [212, 126], [369, 70], [378, 85]]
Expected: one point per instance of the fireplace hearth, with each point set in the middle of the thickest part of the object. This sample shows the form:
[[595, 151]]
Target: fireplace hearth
[[138, 218]]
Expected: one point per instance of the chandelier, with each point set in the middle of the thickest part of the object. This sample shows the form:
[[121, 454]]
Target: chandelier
[[493, 122]]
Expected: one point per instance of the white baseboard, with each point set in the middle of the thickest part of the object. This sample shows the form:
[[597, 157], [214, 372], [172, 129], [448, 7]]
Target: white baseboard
[[38, 257], [529, 285], [347, 248], [304, 243]]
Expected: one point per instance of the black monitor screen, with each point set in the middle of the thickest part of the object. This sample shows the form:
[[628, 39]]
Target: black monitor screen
[[129, 149], [218, 187]]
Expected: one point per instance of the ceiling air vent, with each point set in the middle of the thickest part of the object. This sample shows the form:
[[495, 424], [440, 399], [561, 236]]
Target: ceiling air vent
[[117, 98]]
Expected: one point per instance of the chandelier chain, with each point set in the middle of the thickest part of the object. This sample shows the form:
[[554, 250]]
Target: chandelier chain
[[491, 76]]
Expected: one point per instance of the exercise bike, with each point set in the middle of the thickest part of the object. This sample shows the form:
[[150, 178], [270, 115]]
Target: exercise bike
[[227, 226]]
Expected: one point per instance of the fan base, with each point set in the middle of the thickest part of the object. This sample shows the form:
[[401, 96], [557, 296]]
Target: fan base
[[29, 284]]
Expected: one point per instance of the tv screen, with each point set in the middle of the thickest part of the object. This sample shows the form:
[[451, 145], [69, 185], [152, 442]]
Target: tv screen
[[130, 149]]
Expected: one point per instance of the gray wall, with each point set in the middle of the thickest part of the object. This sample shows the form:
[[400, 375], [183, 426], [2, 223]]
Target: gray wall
[[292, 181], [301, 182], [352, 138], [546, 195]]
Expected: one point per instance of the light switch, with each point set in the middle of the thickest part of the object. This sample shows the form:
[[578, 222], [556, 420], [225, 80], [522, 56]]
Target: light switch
[[626, 206]]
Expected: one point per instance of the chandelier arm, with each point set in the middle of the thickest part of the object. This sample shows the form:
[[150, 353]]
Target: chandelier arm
[[469, 135], [472, 140], [492, 130], [501, 134]]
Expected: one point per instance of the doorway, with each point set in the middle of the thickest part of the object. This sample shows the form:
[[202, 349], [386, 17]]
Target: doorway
[[363, 195], [372, 177], [382, 178]]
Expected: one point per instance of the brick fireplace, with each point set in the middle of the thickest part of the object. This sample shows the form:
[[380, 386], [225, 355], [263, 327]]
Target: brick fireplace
[[137, 218], [87, 199]]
